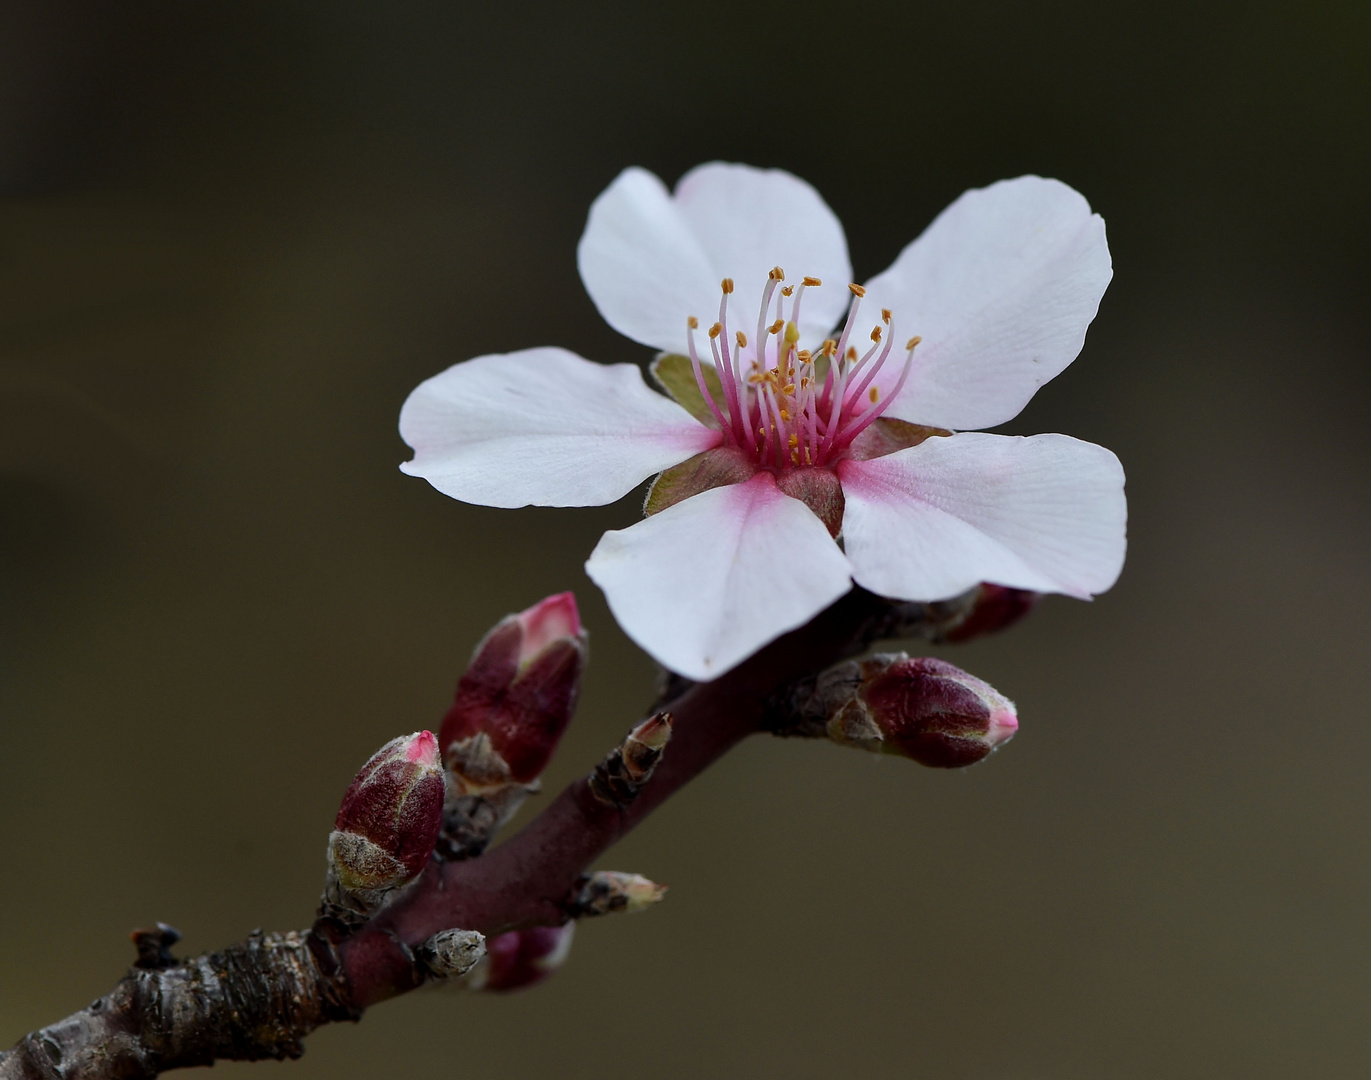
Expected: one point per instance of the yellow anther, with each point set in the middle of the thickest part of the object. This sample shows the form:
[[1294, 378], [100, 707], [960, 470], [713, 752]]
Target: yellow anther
[[726, 285], [812, 281], [715, 330], [804, 382], [693, 323], [873, 394], [803, 356], [857, 290], [909, 345], [851, 354], [762, 432], [792, 333], [794, 440], [808, 460], [885, 314], [875, 333], [788, 290], [775, 328], [777, 274], [785, 415], [795, 455], [742, 340], [788, 388]]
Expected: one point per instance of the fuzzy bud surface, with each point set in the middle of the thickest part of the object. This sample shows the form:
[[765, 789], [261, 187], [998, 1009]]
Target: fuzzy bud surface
[[517, 696], [916, 707], [387, 824]]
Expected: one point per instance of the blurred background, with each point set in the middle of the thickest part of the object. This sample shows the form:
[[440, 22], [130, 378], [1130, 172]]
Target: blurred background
[[234, 236]]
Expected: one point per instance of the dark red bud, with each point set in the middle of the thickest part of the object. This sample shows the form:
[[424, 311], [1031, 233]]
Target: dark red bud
[[520, 691], [522, 958], [389, 820], [996, 607], [935, 713]]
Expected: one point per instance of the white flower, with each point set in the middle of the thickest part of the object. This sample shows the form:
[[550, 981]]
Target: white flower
[[770, 456]]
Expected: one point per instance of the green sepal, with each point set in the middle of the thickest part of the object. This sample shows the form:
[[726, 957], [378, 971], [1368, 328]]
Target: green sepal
[[886, 435], [714, 468], [676, 375]]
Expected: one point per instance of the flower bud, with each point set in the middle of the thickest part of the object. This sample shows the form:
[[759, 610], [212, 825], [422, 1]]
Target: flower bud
[[522, 958], [936, 713], [387, 825], [519, 693], [919, 708], [995, 607], [510, 710]]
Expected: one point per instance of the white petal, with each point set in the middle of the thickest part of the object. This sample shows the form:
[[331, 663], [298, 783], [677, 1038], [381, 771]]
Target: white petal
[[544, 427], [749, 220], [650, 259], [1044, 513], [1001, 288], [642, 264], [706, 583]]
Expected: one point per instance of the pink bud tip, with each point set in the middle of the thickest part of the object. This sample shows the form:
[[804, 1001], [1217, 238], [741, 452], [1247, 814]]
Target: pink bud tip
[[1003, 725], [422, 749], [547, 621]]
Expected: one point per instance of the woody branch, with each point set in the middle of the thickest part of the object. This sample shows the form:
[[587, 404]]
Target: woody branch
[[395, 916]]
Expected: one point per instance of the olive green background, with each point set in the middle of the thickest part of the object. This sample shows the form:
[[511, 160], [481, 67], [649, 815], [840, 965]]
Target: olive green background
[[235, 235]]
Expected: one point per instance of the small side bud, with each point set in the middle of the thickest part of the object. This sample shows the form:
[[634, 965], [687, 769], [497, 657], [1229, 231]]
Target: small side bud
[[386, 827], [511, 708], [617, 780], [608, 891], [522, 958], [450, 953], [917, 707]]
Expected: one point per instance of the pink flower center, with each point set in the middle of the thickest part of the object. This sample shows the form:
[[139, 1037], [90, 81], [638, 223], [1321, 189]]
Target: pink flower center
[[787, 407]]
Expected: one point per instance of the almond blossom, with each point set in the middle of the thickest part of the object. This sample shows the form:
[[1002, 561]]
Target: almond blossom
[[818, 431]]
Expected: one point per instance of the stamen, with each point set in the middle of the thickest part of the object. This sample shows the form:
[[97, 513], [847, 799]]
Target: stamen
[[875, 333], [692, 325], [726, 285], [742, 339], [912, 342], [873, 414], [812, 281], [788, 290], [776, 327], [714, 330], [776, 274], [857, 290]]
